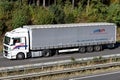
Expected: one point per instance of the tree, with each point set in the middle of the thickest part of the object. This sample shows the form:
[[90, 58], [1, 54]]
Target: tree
[[5, 15], [41, 15], [20, 17], [58, 14], [96, 11], [115, 1], [69, 12], [113, 13], [5, 9], [3, 27]]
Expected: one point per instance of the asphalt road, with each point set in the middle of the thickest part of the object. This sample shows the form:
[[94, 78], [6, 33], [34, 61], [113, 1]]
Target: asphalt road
[[8, 63], [103, 76]]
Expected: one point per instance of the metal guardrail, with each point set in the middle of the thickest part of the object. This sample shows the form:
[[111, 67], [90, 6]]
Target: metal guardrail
[[61, 71], [47, 64]]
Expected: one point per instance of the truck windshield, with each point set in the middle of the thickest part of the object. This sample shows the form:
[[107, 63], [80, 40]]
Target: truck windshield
[[7, 40]]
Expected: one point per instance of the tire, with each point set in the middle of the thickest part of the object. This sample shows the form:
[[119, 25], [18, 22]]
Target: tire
[[47, 53], [89, 48], [111, 46], [82, 49], [97, 48], [20, 56]]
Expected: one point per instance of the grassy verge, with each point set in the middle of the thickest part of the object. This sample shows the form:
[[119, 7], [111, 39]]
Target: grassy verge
[[74, 74]]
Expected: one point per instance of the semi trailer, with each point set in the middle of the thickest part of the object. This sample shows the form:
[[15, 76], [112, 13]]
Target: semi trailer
[[47, 40]]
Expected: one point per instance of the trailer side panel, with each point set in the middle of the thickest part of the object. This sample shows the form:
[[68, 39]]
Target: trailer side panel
[[43, 38]]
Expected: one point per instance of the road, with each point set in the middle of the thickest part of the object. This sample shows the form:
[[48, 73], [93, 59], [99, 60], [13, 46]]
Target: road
[[104, 76], [8, 63]]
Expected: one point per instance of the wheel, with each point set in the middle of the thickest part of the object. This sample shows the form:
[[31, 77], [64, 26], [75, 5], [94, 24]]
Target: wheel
[[20, 56], [46, 53], [82, 50], [89, 48], [111, 46], [97, 48]]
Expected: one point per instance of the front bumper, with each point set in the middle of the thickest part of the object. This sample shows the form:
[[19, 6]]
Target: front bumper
[[8, 55]]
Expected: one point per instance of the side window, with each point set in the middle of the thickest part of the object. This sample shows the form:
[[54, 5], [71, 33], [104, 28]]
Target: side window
[[16, 40]]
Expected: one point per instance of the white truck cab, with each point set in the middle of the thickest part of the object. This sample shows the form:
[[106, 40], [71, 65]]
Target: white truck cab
[[16, 44]]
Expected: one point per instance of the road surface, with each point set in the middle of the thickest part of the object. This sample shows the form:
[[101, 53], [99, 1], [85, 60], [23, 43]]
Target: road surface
[[8, 63], [104, 76]]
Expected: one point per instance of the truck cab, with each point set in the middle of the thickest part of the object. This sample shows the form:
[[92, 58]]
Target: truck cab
[[16, 44]]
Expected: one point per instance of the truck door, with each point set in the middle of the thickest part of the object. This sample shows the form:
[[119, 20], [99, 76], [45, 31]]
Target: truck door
[[19, 44]]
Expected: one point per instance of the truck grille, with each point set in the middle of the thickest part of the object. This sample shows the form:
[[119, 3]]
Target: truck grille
[[6, 53], [5, 47]]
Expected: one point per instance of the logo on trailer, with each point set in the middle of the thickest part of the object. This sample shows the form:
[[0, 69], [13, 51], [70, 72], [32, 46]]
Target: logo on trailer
[[99, 30]]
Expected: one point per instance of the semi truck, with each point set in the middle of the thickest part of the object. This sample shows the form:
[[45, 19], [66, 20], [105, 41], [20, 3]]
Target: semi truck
[[47, 40]]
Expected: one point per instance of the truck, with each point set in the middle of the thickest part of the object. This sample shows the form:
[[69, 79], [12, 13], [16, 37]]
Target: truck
[[47, 40]]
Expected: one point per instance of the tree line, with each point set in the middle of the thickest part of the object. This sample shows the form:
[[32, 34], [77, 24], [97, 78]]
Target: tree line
[[16, 13]]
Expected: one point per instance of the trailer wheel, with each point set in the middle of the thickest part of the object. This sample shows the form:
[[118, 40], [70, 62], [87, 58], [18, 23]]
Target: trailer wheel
[[20, 56], [47, 53], [82, 49], [97, 48], [111, 46], [89, 48]]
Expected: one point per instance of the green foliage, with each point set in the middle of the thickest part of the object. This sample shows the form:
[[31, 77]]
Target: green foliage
[[114, 13], [78, 13], [59, 2], [42, 16], [16, 13], [58, 14], [96, 11], [69, 16], [20, 17], [2, 27], [5, 15], [6, 6], [5, 9]]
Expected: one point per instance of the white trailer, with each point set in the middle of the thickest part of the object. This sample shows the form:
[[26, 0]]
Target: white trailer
[[47, 40]]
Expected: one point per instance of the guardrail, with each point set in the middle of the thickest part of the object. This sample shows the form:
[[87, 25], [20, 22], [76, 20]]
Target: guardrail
[[47, 64], [61, 71]]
